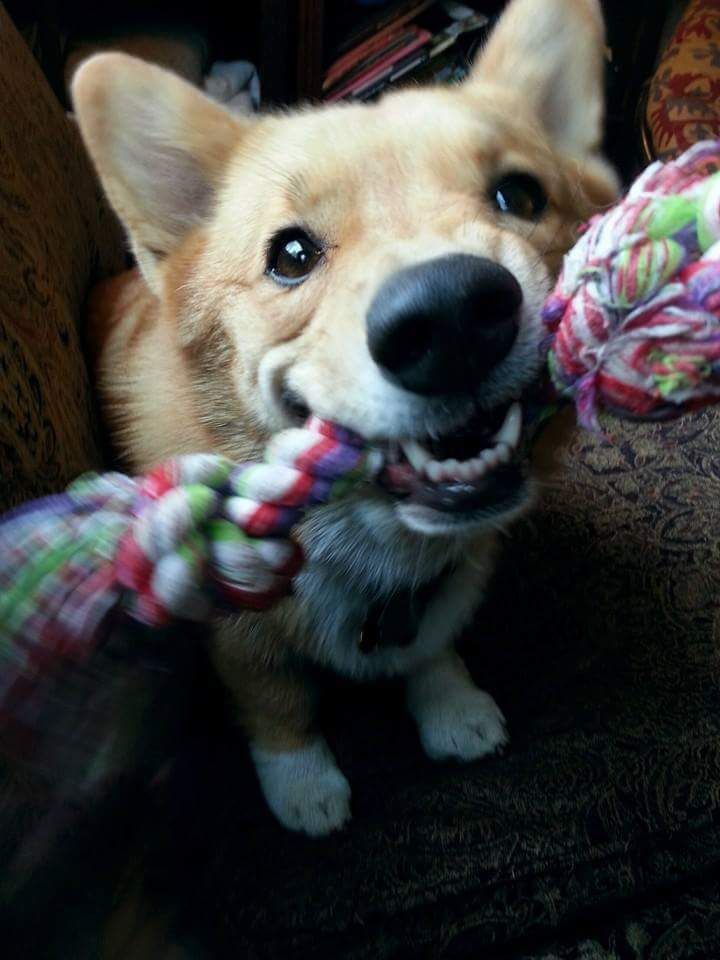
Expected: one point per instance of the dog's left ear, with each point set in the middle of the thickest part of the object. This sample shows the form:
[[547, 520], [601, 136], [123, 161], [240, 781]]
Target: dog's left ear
[[160, 148], [551, 52]]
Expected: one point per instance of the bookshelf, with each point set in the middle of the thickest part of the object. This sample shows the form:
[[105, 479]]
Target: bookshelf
[[291, 49], [300, 39], [311, 48]]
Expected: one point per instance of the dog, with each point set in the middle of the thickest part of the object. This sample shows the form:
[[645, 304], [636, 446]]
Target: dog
[[379, 265]]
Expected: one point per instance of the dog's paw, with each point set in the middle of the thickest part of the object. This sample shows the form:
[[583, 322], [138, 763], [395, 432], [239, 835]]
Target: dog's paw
[[304, 788], [468, 726]]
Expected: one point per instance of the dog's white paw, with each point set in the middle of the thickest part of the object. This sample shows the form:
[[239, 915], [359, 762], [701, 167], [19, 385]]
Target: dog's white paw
[[456, 720], [304, 788], [467, 727]]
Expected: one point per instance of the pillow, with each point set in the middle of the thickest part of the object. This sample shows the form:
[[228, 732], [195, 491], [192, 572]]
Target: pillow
[[56, 238], [684, 97]]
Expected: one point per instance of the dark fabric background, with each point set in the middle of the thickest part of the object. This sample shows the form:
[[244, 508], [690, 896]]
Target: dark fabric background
[[594, 836]]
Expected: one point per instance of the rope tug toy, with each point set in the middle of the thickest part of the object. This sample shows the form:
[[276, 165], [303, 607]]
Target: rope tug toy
[[635, 316], [195, 536], [634, 326]]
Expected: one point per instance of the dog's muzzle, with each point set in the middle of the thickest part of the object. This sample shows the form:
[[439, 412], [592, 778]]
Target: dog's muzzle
[[438, 327]]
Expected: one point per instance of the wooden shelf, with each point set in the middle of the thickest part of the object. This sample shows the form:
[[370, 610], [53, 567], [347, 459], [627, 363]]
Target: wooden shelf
[[291, 49]]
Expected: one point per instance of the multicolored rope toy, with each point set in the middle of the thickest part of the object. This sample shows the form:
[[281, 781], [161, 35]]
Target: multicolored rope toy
[[634, 326], [635, 316], [195, 536]]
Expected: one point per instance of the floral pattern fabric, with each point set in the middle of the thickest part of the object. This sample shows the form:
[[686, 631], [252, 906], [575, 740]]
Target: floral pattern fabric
[[684, 97]]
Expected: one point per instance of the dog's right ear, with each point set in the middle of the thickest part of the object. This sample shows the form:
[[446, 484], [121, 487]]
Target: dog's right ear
[[159, 145], [550, 52]]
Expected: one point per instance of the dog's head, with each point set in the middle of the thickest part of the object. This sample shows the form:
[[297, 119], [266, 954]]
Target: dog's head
[[380, 265]]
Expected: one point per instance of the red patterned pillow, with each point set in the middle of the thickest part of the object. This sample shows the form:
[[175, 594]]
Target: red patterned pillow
[[684, 99]]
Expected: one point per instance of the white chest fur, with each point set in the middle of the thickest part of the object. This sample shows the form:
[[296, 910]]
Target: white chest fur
[[358, 554]]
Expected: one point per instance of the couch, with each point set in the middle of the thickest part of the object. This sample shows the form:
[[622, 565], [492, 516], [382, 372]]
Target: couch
[[595, 837]]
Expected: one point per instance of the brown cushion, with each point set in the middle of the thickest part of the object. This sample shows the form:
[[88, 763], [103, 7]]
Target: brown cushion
[[56, 238], [684, 98], [600, 642]]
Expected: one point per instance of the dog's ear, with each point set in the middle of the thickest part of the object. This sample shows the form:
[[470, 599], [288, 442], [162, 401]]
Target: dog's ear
[[159, 146], [551, 52]]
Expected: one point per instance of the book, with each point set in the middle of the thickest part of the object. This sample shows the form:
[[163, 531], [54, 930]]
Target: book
[[395, 41], [397, 56], [357, 47], [382, 69], [403, 66], [409, 63], [446, 57], [437, 70]]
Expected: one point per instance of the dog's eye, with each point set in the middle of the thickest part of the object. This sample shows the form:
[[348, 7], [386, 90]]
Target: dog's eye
[[519, 194], [292, 256]]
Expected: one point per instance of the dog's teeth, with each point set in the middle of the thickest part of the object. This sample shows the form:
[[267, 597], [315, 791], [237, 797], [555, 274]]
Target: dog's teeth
[[490, 457], [504, 453], [434, 471], [448, 470], [471, 470], [467, 470], [417, 455], [443, 470], [509, 432], [451, 469], [476, 469]]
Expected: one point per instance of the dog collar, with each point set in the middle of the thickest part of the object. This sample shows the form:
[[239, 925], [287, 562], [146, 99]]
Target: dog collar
[[394, 621]]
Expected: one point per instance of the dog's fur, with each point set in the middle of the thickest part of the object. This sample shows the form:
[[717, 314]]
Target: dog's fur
[[194, 347]]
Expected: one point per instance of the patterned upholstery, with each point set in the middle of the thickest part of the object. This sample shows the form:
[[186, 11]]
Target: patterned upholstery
[[56, 236], [597, 835], [684, 97], [594, 830]]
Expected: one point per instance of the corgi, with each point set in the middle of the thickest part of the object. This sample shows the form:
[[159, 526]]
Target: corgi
[[382, 266]]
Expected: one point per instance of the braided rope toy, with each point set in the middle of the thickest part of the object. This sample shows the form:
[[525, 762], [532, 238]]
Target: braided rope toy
[[635, 316], [195, 536], [633, 326]]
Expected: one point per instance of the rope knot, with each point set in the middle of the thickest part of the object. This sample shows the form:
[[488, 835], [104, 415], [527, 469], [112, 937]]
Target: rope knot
[[635, 314]]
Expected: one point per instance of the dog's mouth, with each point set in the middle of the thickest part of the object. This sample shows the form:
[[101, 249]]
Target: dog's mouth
[[477, 467], [474, 472]]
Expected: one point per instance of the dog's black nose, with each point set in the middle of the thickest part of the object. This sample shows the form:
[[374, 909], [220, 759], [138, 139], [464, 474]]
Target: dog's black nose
[[439, 326]]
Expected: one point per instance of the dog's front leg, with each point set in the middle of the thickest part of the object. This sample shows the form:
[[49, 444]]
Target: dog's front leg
[[456, 720], [298, 775]]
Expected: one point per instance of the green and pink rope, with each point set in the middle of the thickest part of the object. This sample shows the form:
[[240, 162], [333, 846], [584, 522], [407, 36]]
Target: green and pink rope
[[634, 326], [635, 316]]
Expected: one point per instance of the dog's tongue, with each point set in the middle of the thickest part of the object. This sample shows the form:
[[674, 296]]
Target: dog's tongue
[[398, 478]]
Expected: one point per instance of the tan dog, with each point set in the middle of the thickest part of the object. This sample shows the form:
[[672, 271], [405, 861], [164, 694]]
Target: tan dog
[[382, 266]]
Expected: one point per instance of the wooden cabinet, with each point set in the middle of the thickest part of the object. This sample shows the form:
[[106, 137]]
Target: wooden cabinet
[[291, 56]]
